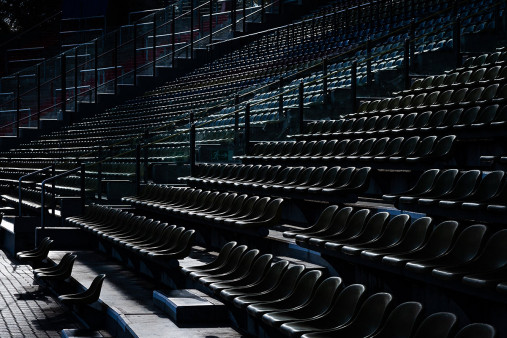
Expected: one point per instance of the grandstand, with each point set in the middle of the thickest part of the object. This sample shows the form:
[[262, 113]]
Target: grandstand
[[265, 168]]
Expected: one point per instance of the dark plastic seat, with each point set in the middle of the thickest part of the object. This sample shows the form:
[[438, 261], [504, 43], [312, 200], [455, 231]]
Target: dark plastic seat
[[438, 243], [241, 269], [474, 330], [424, 184], [341, 312], [316, 306], [466, 248], [38, 254], [336, 224], [401, 321], [231, 263], [61, 272], [217, 262], [368, 319], [437, 325], [322, 223], [89, 296], [443, 183], [463, 187]]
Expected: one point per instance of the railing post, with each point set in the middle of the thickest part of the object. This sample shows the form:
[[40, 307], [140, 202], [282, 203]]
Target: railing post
[[247, 128], [138, 168], [115, 62], [76, 75], [191, 29], [42, 206], [324, 80], [83, 186], [18, 103], [38, 96], [233, 15], [53, 189], [96, 71], [353, 85], [64, 83], [301, 101], [244, 16], [210, 21], [135, 54], [99, 174], [406, 64], [173, 36], [456, 40], [280, 105], [236, 119], [146, 137], [154, 47], [369, 77], [192, 149]]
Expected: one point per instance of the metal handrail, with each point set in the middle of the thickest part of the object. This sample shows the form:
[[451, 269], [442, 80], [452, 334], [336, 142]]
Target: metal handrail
[[29, 175], [54, 178]]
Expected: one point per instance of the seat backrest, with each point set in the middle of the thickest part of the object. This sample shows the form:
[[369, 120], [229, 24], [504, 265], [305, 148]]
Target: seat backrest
[[494, 255], [346, 304], [474, 330], [393, 230], [424, 183], [401, 321], [468, 243], [440, 240], [443, 183], [489, 186], [370, 314], [324, 295], [416, 234], [436, 325]]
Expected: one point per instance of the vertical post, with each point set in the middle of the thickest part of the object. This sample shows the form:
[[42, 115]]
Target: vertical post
[[173, 36], [406, 64], [301, 100], [191, 29], [146, 148], [368, 62], [96, 71], [76, 76], [236, 119], [154, 47], [324, 79], [63, 96], [233, 15], [247, 128], [244, 16], [115, 62], [280, 105], [99, 174], [353, 86], [53, 189], [210, 21], [192, 149], [138, 168], [456, 40], [135, 54], [18, 103], [42, 205], [412, 43], [38, 96], [83, 186]]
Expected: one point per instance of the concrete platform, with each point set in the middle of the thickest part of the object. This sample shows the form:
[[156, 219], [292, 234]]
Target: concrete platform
[[128, 299]]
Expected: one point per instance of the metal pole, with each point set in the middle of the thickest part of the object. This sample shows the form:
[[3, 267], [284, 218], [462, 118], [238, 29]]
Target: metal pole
[[324, 79], [406, 64], [115, 62], [63, 84], [18, 103], [456, 40], [353, 85], [173, 37], [236, 119], [146, 137], [368, 62], [244, 16], [135, 54], [38, 96], [83, 185], [247, 128], [76, 75], [210, 21], [154, 47], [96, 71], [191, 29], [280, 105], [301, 100], [99, 174], [53, 190], [138, 168], [192, 149], [233, 15]]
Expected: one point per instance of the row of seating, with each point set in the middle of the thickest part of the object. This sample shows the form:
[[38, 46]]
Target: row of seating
[[138, 235], [446, 251], [320, 183], [230, 211], [300, 302], [451, 189], [392, 150], [463, 122]]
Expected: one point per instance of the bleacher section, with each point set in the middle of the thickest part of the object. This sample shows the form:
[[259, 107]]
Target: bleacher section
[[342, 175]]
